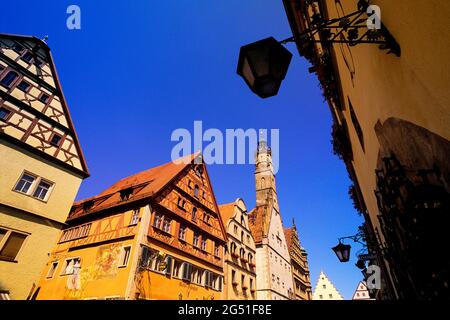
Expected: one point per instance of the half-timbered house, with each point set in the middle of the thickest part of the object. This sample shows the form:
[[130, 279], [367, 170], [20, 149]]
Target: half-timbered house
[[154, 235], [41, 162]]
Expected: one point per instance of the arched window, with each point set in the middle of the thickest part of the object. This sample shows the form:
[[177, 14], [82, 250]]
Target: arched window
[[243, 220], [242, 253], [194, 214], [196, 191], [263, 183], [233, 247]]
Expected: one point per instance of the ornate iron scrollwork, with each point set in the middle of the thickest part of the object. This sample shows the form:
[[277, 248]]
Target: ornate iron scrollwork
[[351, 29]]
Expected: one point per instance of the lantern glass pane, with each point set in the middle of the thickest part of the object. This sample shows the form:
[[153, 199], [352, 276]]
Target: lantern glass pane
[[259, 58], [247, 72]]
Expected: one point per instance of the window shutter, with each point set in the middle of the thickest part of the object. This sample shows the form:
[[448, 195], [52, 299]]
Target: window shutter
[[169, 265], [187, 270], [220, 279]]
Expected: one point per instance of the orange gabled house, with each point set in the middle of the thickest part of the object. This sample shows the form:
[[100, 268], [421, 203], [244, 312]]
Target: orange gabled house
[[154, 235]]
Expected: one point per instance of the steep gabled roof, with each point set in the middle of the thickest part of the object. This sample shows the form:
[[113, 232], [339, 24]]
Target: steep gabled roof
[[227, 211], [257, 224], [141, 185], [288, 236], [83, 171]]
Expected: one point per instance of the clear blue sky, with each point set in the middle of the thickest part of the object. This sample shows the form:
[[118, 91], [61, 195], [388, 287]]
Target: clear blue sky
[[139, 69]]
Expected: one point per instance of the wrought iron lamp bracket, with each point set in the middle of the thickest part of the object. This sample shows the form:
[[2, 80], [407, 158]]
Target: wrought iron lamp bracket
[[348, 29], [356, 238]]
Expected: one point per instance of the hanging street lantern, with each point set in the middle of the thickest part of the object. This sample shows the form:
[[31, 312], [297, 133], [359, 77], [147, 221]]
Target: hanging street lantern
[[263, 65], [342, 252]]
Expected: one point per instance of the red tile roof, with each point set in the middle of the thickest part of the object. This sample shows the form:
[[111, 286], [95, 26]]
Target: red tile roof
[[144, 184], [227, 211], [288, 236], [256, 221]]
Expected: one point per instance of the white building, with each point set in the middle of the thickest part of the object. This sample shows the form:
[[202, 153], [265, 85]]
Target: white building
[[273, 266]]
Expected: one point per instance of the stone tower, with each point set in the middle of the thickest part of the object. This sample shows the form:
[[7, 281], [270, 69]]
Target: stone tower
[[273, 262], [266, 190]]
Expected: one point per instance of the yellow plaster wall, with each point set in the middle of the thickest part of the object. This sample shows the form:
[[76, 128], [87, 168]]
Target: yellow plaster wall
[[13, 162], [18, 277], [413, 87]]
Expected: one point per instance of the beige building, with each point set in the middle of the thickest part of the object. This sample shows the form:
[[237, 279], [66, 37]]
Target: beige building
[[299, 264], [240, 253], [325, 289], [41, 162], [391, 127], [273, 262]]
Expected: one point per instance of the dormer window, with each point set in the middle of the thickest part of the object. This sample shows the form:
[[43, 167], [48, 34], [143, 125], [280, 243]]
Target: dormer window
[[126, 194], [88, 205]]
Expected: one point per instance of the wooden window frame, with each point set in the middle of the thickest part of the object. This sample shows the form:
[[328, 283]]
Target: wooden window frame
[[37, 180], [180, 228], [122, 256], [66, 264], [60, 142], [4, 240], [28, 88], [14, 82], [135, 217], [40, 97], [10, 114], [26, 51], [48, 276], [47, 194]]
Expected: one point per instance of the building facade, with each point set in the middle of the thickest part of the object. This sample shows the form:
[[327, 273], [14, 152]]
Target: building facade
[[299, 264], [325, 289], [41, 162], [391, 128], [240, 253], [361, 292], [273, 262], [155, 235]]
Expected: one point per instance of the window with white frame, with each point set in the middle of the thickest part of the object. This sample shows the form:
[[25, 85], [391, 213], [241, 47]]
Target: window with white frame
[[25, 183], [182, 233], [203, 243], [166, 224], [42, 190], [187, 271], [177, 266], [197, 275], [51, 271], [196, 239], [34, 186], [76, 233], [125, 256], [70, 266], [134, 217], [216, 250], [157, 221], [11, 243]]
